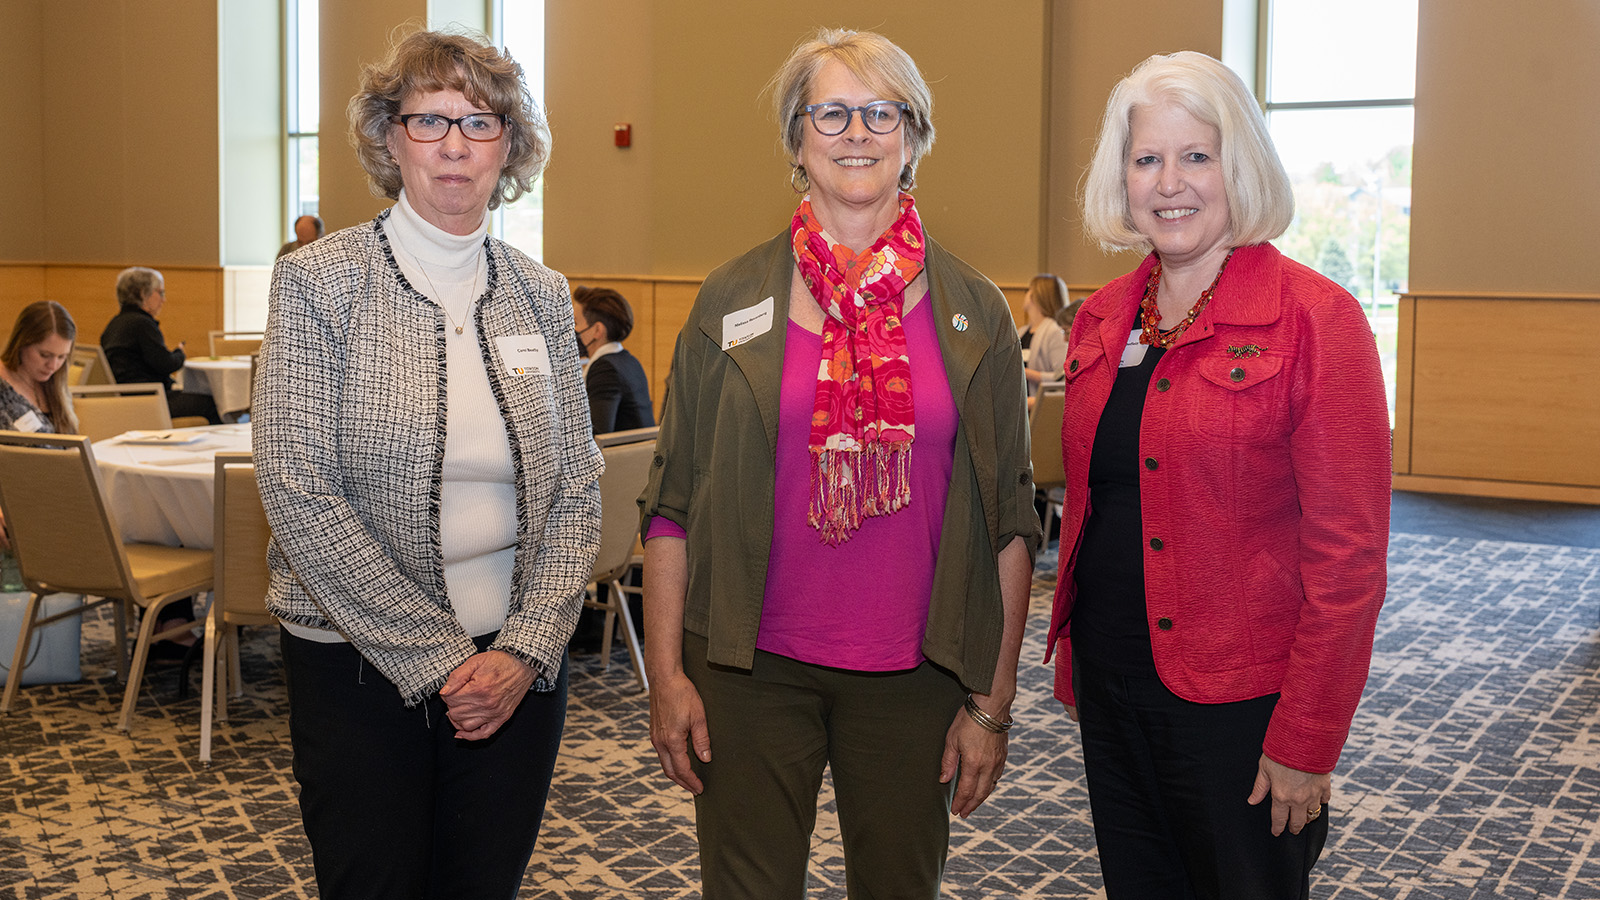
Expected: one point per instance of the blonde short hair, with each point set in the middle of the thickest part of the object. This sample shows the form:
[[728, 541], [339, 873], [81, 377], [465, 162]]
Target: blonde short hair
[[1260, 198], [883, 67], [426, 61]]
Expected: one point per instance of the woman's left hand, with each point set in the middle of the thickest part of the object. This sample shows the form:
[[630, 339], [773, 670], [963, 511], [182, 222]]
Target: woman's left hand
[[979, 755], [483, 692], [1297, 797]]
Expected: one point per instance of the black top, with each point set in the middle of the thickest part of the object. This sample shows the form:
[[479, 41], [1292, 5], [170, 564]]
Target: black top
[[136, 350], [619, 393], [1108, 617]]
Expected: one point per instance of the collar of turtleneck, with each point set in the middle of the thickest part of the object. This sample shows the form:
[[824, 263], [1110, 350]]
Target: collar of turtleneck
[[439, 251]]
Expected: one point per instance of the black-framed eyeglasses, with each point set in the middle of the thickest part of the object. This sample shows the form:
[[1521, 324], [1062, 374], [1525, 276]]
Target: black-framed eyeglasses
[[428, 128], [880, 116]]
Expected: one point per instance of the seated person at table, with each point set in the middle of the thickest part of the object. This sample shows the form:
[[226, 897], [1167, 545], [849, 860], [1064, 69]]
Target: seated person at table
[[136, 349], [619, 392], [33, 376]]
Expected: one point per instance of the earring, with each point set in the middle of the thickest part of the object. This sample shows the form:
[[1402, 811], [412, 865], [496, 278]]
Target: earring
[[799, 181]]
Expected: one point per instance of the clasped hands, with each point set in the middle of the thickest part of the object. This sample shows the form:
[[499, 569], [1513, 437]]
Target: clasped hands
[[483, 692]]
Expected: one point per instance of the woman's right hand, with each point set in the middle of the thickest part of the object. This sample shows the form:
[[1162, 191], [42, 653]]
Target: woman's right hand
[[677, 725]]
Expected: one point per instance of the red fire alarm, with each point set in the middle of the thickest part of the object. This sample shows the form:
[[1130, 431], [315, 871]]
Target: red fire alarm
[[622, 134]]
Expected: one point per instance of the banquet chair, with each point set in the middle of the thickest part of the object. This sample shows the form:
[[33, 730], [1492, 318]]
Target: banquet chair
[[107, 410], [1044, 436], [240, 586], [89, 366], [627, 470], [234, 343], [66, 541]]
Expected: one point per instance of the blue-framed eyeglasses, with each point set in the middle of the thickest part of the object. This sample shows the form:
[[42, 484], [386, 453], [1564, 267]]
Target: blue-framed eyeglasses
[[880, 116]]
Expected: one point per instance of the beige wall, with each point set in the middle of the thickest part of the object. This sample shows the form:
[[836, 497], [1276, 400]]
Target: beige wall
[[706, 180], [1505, 186], [21, 185], [353, 33], [140, 184], [1095, 45]]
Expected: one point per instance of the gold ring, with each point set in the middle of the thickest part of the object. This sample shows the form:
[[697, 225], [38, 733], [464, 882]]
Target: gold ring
[[1313, 812]]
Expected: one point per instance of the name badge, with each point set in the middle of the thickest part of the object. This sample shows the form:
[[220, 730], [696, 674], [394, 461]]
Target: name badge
[[1133, 353], [524, 354], [28, 422], [745, 324]]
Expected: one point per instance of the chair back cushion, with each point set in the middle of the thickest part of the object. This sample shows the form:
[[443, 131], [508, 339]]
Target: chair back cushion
[[241, 539], [109, 411], [627, 470], [63, 535], [1044, 427]]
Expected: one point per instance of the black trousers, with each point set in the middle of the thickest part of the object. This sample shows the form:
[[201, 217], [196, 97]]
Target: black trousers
[[395, 807], [1168, 784], [181, 404]]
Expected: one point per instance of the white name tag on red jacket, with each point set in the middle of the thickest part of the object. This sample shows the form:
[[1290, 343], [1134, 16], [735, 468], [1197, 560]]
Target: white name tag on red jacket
[[1133, 352]]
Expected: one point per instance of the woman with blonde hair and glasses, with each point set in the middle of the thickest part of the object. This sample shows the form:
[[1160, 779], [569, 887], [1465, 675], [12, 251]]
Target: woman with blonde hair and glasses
[[423, 449], [840, 520], [1226, 522]]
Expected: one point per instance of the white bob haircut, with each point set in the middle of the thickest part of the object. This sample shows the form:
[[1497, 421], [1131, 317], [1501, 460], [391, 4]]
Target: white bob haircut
[[1260, 198]]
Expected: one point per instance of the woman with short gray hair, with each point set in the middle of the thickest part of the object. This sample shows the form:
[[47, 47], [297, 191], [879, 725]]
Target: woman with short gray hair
[[840, 519]]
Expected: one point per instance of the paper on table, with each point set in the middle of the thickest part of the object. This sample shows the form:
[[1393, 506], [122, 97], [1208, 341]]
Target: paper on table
[[159, 437]]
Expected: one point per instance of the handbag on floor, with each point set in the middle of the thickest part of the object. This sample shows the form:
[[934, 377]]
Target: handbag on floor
[[52, 656]]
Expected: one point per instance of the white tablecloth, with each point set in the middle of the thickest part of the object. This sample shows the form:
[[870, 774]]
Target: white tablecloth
[[165, 494], [227, 380]]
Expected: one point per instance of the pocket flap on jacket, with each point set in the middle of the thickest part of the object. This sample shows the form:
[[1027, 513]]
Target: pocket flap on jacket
[[1239, 374]]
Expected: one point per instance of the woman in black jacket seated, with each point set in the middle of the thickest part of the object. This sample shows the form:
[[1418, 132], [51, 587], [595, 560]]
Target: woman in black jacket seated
[[619, 392], [136, 349]]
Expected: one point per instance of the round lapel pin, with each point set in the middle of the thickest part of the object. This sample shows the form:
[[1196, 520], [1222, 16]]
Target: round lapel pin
[[959, 321]]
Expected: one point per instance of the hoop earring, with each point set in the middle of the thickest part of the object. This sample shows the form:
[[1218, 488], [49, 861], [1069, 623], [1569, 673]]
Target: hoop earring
[[908, 178], [799, 180]]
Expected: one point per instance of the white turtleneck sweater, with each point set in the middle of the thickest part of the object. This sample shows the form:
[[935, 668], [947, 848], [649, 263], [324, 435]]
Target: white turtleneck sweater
[[478, 508]]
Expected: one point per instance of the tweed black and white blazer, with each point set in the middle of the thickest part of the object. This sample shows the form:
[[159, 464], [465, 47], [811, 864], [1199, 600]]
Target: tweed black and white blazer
[[348, 416]]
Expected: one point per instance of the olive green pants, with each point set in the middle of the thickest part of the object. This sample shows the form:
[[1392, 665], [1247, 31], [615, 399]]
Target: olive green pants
[[773, 730]]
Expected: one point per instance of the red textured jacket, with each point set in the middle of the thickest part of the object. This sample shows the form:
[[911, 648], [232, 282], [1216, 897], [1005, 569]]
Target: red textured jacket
[[1264, 492]]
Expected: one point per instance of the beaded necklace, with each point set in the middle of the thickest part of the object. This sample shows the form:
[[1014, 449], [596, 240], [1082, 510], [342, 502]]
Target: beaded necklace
[[1150, 331]]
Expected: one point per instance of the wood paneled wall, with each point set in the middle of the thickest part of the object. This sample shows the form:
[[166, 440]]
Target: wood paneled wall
[[194, 299], [1493, 396]]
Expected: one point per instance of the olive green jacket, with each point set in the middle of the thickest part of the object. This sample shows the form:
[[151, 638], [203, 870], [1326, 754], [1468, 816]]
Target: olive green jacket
[[713, 472]]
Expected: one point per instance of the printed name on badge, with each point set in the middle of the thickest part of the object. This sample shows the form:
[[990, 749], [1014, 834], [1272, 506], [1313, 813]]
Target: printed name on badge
[[751, 322], [1133, 353], [524, 354]]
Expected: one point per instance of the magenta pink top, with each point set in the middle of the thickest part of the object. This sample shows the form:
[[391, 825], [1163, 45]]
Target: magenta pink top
[[862, 605]]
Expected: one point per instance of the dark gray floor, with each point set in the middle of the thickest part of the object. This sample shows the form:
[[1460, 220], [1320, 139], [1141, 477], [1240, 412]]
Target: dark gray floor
[[1491, 519]]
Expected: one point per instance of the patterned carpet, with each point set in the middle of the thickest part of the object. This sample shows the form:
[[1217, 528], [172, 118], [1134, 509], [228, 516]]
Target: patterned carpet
[[1473, 771]]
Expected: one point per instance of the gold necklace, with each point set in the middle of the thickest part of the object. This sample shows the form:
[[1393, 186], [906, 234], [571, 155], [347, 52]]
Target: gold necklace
[[439, 298]]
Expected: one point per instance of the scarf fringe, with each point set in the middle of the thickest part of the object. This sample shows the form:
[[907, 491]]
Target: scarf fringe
[[848, 486]]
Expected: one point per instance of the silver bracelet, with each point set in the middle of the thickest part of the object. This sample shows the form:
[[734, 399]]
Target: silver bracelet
[[987, 722]]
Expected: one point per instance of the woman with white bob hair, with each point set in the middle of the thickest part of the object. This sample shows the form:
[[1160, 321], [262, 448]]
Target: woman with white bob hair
[[1226, 442]]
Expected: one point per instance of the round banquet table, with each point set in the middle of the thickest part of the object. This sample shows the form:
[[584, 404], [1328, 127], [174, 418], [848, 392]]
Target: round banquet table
[[164, 493], [226, 379]]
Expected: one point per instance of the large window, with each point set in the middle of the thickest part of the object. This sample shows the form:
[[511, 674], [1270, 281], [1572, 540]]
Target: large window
[[519, 28], [302, 86], [1340, 81]]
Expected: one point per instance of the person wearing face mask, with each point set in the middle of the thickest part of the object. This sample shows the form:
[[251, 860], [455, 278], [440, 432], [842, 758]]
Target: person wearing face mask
[[840, 524], [619, 391]]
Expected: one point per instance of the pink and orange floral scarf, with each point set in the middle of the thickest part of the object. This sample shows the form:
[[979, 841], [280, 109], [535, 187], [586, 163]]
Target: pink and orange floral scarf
[[863, 424]]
